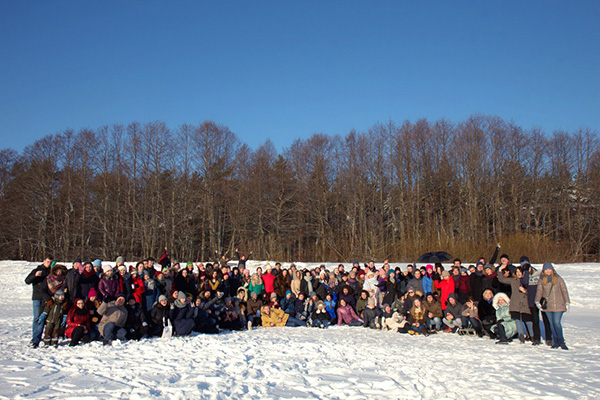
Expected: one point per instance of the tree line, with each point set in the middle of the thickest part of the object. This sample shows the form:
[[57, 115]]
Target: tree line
[[391, 192]]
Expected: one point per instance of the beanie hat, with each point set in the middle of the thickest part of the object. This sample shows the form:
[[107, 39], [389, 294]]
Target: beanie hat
[[77, 260], [489, 266], [505, 256], [122, 267], [288, 292], [548, 265], [106, 268], [120, 259], [429, 266], [162, 297], [121, 295], [130, 297], [524, 260], [92, 293], [479, 263], [313, 293], [58, 293], [463, 269], [445, 273], [181, 295], [97, 263]]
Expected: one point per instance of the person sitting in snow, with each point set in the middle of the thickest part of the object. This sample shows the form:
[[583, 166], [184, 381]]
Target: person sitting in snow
[[320, 318], [452, 314], [136, 324], [505, 327], [114, 317], [182, 316], [393, 320], [418, 318], [276, 317], [78, 323], [372, 314]]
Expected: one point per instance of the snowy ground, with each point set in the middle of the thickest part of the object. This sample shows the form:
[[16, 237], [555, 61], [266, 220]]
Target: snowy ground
[[337, 363]]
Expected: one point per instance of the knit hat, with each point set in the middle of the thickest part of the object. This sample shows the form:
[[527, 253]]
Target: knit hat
[[505, 256], [489, 266], [313, 293], [58, 293], [120, 259], [122, 267], [548, 265], [479, 263], [130, 297], [463, 269], [97, 262], [273, 295], [320, 303], [288, 292], [162, 297], [524, 260], [106, 268], [445, 273], [121, 295], [92, 293], [429, 266], [77, 260], [181, 295]]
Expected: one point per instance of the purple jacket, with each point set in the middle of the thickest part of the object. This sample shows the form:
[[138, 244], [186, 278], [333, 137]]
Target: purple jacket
[[346, 314], [109, 287]]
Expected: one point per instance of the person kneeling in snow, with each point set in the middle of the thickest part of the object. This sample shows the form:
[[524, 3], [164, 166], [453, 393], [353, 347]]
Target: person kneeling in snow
[[372, 314], [276, 317], [114, 318], [505, 326], [182, 315], [393, 320], [136, 324]]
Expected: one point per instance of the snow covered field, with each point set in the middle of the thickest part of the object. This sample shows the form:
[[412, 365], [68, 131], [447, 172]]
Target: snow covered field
[[337, 363]]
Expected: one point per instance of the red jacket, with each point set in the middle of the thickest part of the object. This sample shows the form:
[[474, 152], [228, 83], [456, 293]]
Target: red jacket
[[447, 287], [75, 319], [268, 280], [464, 284], [138, 289]]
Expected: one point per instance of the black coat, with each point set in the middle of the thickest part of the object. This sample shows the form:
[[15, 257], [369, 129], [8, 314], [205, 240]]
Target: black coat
[[159, 315], [40, 288], [72, 280], [135, 316], [86, 283]]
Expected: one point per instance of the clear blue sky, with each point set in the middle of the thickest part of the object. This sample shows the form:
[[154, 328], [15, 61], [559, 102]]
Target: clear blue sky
[[285, 70]]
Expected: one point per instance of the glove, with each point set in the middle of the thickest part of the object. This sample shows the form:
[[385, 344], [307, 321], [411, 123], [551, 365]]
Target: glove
[[568, 306], [144, 324], [538, 305], [64, 321]]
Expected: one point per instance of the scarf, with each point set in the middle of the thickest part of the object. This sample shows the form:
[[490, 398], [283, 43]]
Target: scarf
[[308, 280], [55, 282]]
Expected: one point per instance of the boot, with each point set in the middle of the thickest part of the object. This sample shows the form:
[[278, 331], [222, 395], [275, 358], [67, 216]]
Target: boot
[[549, 343], [54, 343], [564, 346], [47, 342], [521, 338]]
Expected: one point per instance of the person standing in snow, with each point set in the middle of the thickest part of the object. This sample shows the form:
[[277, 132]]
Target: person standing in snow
[[39, 297], [553, 289]]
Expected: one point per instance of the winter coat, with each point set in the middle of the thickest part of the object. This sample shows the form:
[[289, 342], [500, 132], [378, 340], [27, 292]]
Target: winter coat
[[72, 281], [346, 314], [180, 315], [258, 289], [470, 312], [555, 293], [274, 318], [510, 325], [416, 284], [427, 284], [321, 315], [490, 282], [281, 284], [151, 294], [135, 316], [77, 317], [87, 280], [253, 306], [55, 311], [455, 310], [295, 286], [434, 307], [446, 287], [111, 312], [299, 306], [349, 298], [330, 306], [109, 287], [393, 321], [417, 315], [361, 305], [287, 305], [476, 280], [40, 289], [138, 288], [518, 299], [486, 312], [159, 315], [464, 285], [269, 281]]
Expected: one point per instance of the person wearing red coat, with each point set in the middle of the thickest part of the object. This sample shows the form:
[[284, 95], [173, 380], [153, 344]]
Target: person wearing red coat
[[268, 280], [446, 285], [464, 286], [78, 323], [137, 286]]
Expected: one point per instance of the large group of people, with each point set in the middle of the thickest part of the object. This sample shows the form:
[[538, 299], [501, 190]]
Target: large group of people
[[96, 301]]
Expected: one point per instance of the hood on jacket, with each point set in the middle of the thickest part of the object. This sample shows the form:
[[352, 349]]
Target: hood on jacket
[[499, 296]]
